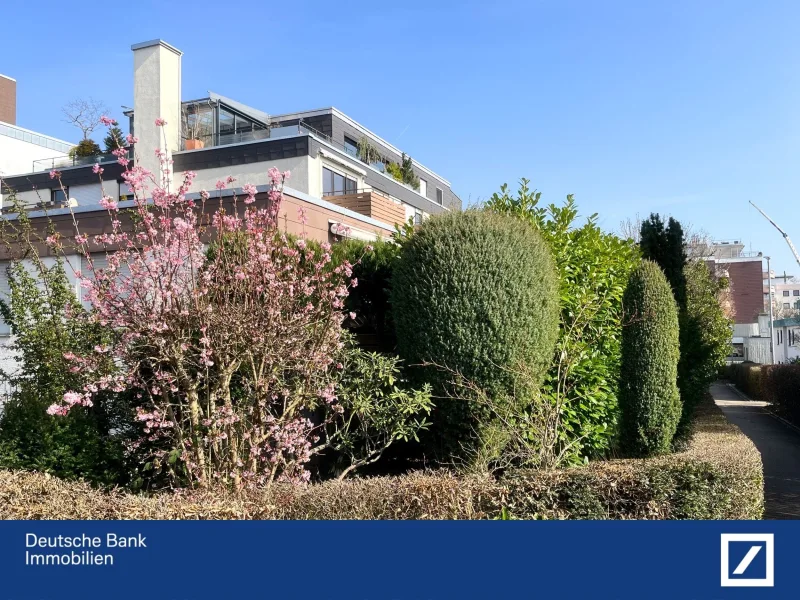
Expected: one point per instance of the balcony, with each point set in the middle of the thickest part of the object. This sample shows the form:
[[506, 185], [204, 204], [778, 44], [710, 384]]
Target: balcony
[[64, 162], [370, 203]]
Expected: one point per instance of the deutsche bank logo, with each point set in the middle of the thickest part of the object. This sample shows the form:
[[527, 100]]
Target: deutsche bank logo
[[748, 560]]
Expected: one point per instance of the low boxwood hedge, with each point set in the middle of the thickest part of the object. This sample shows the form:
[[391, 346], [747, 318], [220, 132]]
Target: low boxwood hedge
[[719, 476], [781, 387], [747, 377]]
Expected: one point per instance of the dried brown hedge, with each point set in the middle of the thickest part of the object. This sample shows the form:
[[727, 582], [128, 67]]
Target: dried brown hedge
[[719, 476]]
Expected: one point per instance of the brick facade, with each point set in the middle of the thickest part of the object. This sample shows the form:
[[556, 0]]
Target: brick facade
[[747, 288]]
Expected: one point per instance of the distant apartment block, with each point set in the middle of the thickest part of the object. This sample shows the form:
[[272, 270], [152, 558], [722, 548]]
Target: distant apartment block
[[745, 273]]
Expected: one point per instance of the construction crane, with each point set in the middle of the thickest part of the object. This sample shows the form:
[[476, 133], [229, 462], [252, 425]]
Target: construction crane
[[783, 233]]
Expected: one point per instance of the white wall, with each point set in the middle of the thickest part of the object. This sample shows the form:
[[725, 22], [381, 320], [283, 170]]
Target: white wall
[[17, 156], [756, 349], [784, 352], [156, 94], [256, 174], [91, 193]]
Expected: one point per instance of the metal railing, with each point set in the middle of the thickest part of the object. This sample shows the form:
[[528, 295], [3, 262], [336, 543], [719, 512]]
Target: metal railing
[[370, 190], [212, 140], [48, 164]]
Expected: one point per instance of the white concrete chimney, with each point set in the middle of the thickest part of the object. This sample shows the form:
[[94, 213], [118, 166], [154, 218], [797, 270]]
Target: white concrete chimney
[[156, 95]]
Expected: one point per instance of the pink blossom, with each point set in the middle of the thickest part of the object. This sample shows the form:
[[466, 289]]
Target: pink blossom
[[160, 122], [96, 169], [107, 121]]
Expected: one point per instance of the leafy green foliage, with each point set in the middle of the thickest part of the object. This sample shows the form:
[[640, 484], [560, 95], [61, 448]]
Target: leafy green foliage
[[379, 409], [48, 323], [114, 139], [665, 247], [649, 399], [367, 152], [705, 334], [394, 169], [593, 269], [86, 147], [475, 293], [369, 300], [403, 171]]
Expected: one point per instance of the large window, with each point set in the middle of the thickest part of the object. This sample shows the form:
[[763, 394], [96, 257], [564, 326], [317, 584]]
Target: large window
[[423, 187], [795, 292], [336, 184], [439, 196], [350, 146], [785, 292], [226, 122]]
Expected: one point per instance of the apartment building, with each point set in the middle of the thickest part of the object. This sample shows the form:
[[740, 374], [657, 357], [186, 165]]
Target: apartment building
[[745, 273], [21, 148], [341, 172], [337, 164]]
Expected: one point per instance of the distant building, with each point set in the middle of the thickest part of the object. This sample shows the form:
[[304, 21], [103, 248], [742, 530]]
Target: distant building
[[21, 149], [745, 273], [787, 339]]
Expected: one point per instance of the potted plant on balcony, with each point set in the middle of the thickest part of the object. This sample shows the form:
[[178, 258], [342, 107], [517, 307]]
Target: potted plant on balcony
[[196, 122]]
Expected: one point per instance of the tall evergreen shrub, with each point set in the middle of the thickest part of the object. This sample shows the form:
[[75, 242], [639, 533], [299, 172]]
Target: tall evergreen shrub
[[476, 293], [649, 400]]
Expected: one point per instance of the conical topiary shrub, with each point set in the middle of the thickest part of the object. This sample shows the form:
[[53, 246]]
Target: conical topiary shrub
[[648, 397]]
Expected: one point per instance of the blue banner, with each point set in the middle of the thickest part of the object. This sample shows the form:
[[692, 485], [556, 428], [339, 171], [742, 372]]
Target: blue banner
[[398, 560]]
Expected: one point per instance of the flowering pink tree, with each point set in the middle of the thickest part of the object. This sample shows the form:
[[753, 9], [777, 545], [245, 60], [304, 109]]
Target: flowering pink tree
[[224, 328]]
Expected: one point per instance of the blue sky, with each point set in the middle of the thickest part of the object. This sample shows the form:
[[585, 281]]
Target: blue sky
[[685, 108]]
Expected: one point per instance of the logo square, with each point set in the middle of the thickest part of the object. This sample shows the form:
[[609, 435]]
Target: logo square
[[747, 560]]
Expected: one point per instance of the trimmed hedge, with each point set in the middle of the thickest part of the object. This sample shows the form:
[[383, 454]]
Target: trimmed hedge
[[649, 401], [780, 385], [476, 292], [719, 476], [747, 377]]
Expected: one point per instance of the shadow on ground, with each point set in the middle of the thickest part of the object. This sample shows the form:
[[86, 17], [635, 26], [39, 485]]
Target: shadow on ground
[[779, 445]]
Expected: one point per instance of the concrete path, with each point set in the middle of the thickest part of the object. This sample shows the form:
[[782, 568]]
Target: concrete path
[[778, 443]]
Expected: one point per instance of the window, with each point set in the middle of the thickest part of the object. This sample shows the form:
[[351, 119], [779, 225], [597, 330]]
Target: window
[[243, 125], [226, 122], [779, 336], [439, 196], [785, 292], [795, 292], [423, 187], [417, 216], [786, 305], [350, 146], [58, 197], [336, 184]]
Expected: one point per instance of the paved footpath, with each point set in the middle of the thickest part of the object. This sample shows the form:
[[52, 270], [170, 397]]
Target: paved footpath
[[778, 443]]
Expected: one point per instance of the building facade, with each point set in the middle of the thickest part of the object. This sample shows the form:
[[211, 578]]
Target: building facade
[[787, 339], [745, 273], [22, 150], [341, 172]]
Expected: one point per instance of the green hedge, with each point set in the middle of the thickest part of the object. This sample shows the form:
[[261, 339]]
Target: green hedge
[[475, 293], [649, 401], [719, 476], [747, 377], [781, 386]]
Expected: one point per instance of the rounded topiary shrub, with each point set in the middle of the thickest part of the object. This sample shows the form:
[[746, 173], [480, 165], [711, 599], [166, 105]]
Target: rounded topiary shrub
[[648, 396], [476, 293]]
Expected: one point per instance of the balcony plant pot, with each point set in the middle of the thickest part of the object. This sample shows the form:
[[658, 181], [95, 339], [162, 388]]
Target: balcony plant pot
[[195, 144]]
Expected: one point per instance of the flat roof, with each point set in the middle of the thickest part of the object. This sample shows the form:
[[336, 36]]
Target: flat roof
[[335, 111]]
